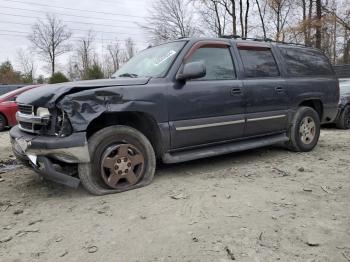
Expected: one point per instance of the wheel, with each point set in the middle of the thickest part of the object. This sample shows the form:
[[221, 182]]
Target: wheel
[[344, 119], [122, 159], [305, 130], [3, 122]]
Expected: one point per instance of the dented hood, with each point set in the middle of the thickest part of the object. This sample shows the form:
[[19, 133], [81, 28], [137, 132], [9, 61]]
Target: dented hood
[[48, 95]]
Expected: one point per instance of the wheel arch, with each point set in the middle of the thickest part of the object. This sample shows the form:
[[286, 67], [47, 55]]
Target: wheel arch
[[4, 116], [316, 104], [141, 121]]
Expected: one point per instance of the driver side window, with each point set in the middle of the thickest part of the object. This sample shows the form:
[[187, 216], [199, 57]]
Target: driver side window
[[218, 63]]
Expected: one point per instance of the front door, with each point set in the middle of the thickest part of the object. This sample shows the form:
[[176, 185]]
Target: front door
[[209, 109]]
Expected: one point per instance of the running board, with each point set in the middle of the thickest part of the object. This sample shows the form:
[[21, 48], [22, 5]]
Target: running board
[[189, 155]]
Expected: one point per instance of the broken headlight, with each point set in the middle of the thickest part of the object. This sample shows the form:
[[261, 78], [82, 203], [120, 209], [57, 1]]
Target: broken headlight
[[43, 112], [63, 126]]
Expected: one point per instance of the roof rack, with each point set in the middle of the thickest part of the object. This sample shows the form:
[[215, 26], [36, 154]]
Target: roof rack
[[261, 40]]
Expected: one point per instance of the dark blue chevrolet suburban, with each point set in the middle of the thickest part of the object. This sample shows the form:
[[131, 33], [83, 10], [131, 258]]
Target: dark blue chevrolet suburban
[[179, 101]]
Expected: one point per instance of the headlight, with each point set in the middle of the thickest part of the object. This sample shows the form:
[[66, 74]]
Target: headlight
[[41, 111]]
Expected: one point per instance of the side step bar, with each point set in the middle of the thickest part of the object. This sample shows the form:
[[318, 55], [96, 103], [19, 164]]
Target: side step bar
[[189, 155]]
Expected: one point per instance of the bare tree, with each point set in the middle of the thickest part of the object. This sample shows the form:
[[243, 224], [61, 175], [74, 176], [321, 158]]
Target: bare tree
[[170, 19], [85, 52], [230, 7], [130, 48], [279, 11], [213, 15], [26, 62], [114, 53], [49, 39], [262, 12]]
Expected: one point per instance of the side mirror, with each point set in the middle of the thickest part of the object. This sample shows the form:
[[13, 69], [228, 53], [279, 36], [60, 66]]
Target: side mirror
[[192, 70]]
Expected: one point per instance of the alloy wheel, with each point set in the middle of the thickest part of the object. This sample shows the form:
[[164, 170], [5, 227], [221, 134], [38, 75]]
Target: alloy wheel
[[122, 166], [307, 130]]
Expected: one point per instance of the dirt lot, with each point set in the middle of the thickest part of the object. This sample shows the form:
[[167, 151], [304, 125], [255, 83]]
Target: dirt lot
[[262, 205]]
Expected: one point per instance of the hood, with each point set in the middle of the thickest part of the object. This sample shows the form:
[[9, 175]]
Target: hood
[[48, 95]]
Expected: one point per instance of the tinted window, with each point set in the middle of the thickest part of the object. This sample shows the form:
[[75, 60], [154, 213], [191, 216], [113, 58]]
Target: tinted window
[[259, 63], [218, 62], [305, 62]]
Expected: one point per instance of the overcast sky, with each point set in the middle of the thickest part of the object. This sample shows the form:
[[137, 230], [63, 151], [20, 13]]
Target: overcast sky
[[110, 19]]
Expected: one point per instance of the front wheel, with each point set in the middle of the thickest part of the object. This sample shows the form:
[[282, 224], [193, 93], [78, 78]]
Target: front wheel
[[305, 130], [344, 119], [122, 159]]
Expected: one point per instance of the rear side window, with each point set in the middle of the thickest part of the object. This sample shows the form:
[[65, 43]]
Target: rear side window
[[218, 62], [258, 63], [305, 62]]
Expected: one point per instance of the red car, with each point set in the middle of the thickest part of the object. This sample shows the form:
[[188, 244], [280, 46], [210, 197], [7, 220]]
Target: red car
[[8, 107]]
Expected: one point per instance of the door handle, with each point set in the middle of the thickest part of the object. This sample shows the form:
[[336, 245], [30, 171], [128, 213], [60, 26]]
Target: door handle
[[279, 89], [236, 91]]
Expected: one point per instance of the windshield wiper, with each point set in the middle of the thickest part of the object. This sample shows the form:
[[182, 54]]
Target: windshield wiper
[[128, 75]]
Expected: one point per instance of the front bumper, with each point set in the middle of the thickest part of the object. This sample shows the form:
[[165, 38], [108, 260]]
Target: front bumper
[[51, 157], [71, 149]]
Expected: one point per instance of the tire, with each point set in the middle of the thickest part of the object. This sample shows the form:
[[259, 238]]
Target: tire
[[120, 148], [302, 138], [3, 122], [344, 119]]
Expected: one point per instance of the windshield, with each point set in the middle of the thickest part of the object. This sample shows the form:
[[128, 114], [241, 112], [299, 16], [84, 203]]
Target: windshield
[[152, 62], [344, 86]]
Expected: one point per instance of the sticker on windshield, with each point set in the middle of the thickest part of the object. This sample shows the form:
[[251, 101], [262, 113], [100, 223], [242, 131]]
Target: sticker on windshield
[[162, 59]]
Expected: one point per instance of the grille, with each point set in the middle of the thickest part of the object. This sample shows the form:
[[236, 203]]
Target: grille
[[27, 126], [25, 109]]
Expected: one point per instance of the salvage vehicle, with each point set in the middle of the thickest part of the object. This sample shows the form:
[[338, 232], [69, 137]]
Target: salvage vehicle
[[343, 119], [8, 107], [182, 100]]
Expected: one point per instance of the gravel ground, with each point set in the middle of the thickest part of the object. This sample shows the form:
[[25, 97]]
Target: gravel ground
[[262, 205]]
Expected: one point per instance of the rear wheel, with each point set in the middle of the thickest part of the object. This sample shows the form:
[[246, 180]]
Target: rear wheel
[[122, 159], [344, 119], [305, 130], [3, 123]]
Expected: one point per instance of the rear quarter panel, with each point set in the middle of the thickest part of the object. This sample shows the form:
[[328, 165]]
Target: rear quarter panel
[[317, 87]]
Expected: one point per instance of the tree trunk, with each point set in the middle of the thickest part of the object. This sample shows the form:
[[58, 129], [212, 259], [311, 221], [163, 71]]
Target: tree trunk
[[335, 40], [346, 55], [234, 18], [318, 34], [52, 67], [261, 18], [246, 19], [304, 25], [241, 17], [278, 29], [309, 22], [220, 33]]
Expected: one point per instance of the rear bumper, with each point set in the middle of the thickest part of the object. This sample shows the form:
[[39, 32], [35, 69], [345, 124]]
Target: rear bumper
[[71, 149]]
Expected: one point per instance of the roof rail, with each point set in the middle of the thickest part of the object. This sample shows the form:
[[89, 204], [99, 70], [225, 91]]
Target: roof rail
[[261, 40]]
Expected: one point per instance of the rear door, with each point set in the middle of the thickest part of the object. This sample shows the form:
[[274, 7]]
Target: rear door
[[267, 99]]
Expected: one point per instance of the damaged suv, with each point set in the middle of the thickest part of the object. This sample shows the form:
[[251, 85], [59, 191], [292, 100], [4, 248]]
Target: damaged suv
[[179, 101]]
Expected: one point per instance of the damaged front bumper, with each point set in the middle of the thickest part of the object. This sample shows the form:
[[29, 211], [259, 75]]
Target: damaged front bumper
[[44, 152]]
